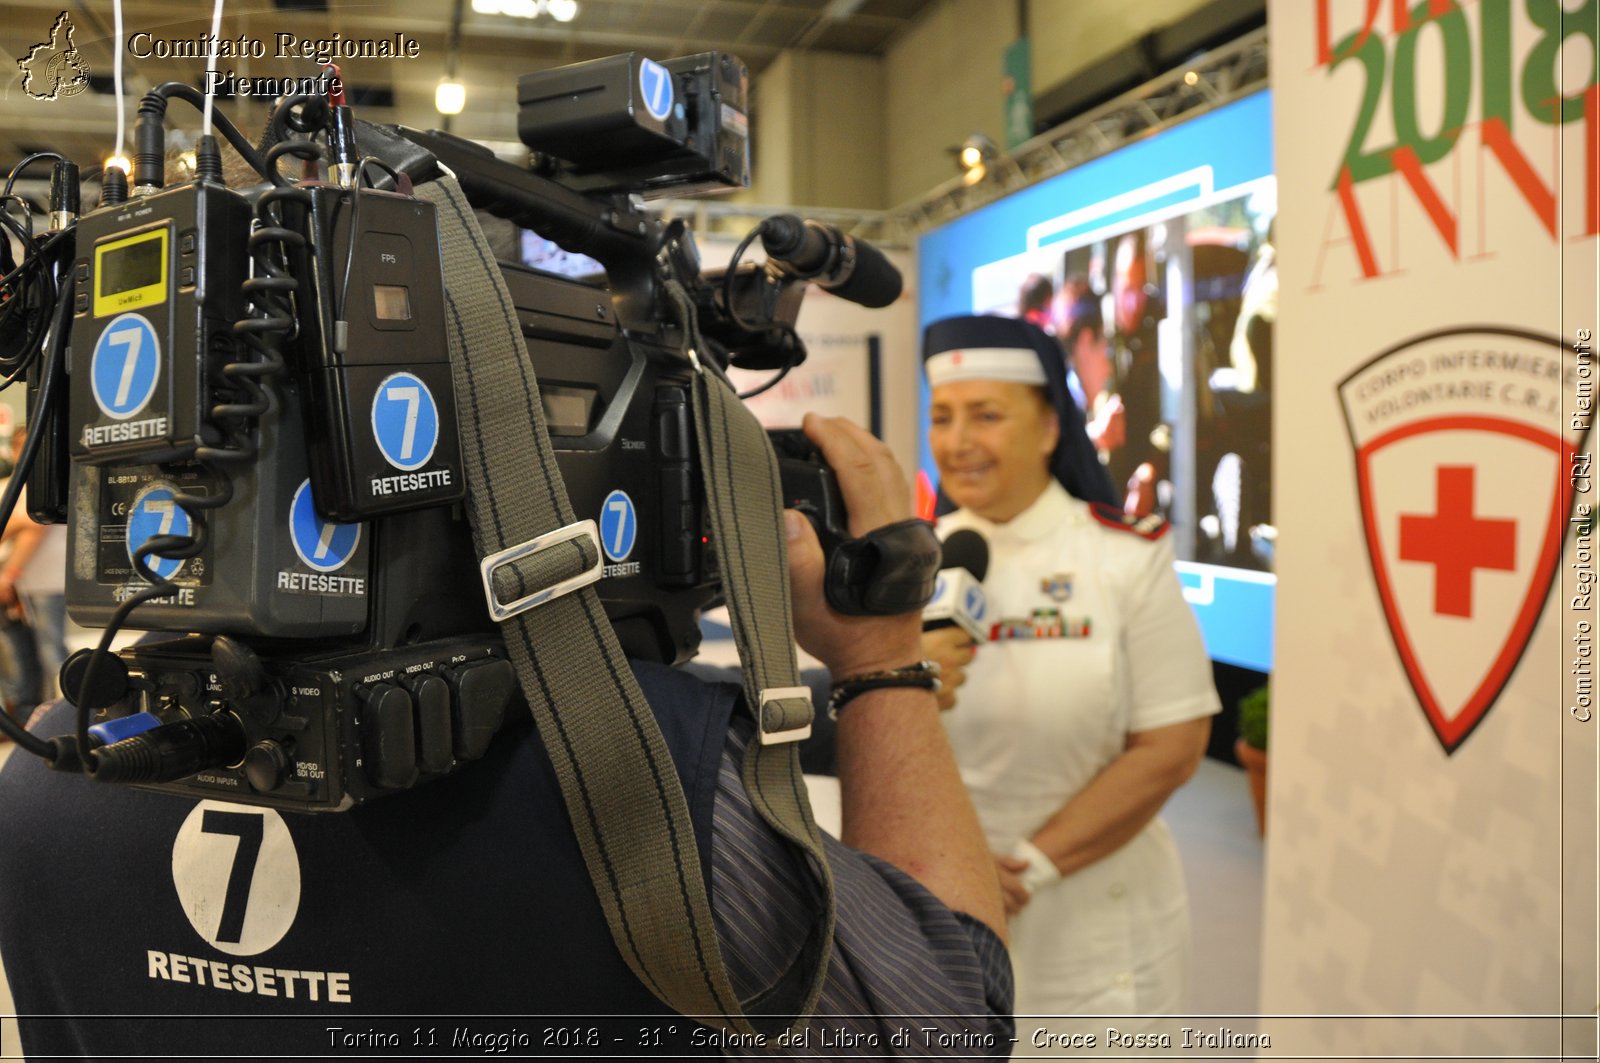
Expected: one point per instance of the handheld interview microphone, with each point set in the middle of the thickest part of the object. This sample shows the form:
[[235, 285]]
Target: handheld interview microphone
[[849, 268], [958, 594]]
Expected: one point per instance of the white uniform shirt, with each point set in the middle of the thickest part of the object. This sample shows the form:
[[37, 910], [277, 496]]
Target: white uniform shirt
[[1039, 717]]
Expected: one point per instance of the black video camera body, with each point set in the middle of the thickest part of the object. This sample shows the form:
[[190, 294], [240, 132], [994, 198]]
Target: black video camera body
[[264, 450]]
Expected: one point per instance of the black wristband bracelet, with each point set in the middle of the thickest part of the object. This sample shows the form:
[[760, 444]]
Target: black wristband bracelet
[[924, 675]]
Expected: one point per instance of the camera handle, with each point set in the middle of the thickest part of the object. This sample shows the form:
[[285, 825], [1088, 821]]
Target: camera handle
[[632, 819]]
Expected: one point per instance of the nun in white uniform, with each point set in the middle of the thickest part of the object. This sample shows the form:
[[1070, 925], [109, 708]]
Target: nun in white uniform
[[1091, 700]]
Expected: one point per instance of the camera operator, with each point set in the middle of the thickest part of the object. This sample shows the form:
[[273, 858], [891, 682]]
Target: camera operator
[[467, 898]]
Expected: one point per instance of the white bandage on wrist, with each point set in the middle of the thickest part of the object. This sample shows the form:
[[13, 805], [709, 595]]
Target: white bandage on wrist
[[1041, 870]]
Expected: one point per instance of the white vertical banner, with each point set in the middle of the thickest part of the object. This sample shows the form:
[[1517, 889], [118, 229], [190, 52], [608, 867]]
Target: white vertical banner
[[1432, 826]]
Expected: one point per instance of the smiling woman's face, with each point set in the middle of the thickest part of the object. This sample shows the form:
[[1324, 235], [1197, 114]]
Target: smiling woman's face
[[992, 441]]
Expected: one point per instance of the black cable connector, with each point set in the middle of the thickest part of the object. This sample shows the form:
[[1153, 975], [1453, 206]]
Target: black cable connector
[[208, 159], [113, 186], [150, 143], [62, 754], [172, 750], [65, 198], [150, 135]]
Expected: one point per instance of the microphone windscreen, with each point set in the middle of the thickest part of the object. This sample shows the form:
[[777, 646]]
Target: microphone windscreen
[[969, 550], [873, 283]]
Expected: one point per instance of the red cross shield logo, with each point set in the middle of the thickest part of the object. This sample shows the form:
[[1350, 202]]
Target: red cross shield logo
[[1464, 469]]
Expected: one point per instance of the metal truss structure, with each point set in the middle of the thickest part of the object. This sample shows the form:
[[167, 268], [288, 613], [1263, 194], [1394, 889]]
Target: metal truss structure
[[1211, 80]]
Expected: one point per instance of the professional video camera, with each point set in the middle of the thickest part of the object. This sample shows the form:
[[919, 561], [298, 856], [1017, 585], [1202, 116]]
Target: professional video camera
[[258, 445]]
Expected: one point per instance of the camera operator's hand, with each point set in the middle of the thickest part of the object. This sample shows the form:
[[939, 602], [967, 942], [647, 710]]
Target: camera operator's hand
[[875, 494], [901, 795]]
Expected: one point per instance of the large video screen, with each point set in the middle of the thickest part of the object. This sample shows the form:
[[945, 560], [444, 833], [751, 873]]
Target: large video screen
[[1154, 266]]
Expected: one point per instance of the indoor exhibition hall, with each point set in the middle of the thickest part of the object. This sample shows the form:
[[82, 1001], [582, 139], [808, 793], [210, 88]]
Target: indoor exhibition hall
[[650, 529]]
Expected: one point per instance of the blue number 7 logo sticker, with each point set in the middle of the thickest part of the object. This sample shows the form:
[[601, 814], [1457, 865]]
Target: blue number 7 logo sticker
[[655, 88], [405, 421], [125, 366], [156, 512], [619, 525], [323, 545]]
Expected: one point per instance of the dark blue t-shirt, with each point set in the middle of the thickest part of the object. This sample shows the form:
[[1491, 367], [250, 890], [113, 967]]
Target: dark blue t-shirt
[[456, 918], [466, 896]]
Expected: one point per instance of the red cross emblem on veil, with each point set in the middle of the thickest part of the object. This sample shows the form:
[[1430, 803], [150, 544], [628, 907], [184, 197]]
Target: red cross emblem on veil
[[1463, 465]]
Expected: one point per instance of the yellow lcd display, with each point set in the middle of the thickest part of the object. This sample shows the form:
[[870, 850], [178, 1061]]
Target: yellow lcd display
[[130, 272]]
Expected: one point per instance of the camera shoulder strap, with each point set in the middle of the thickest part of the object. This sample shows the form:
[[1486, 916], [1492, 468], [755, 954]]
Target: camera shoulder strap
[[737, 464], [621, 790]]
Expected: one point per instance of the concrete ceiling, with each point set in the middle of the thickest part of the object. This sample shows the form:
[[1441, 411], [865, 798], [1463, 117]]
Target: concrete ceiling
[[492, 51]]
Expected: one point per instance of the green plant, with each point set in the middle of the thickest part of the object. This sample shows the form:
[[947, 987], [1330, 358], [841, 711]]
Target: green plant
[[1253, 718]]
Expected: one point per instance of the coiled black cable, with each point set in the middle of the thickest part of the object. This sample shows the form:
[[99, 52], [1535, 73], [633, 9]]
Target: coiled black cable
[[271, 321]]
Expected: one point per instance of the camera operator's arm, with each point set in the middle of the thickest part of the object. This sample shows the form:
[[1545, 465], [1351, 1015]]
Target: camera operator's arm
[[903, 798]]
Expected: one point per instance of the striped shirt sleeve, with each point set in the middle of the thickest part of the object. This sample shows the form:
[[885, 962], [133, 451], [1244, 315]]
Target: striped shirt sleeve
[[908, 977]]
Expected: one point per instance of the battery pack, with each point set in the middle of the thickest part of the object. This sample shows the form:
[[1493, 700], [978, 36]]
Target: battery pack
[[372, 358], [271, 566], [158, 283]]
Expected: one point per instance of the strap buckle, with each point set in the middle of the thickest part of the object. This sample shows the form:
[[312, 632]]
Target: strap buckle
[[583, 529], [794, 734]]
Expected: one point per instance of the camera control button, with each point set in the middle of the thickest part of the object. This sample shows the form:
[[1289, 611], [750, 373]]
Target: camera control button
[[267, 766], [433, 722], [673, 434], [482, 691], [388, 736]]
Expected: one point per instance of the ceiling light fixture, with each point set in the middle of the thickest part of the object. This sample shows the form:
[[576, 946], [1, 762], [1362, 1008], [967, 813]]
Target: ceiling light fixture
[[450, 97], [560, 10], [975, 155]]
